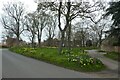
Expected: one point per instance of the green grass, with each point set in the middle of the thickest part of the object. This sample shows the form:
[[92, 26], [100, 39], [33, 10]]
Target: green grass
[[77, 60], [113, 55]]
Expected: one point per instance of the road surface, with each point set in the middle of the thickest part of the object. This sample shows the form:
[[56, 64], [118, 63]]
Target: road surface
[[112, 65], [18, 66]]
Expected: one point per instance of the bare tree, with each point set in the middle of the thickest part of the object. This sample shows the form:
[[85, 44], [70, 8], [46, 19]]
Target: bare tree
[[12, 20], [42, 19], [31, 24], [97, 21], [98, 25], [81, 34], [70, 11], [50, 28]]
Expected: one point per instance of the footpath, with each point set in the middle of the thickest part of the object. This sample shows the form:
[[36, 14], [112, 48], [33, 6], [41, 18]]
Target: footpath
[[112, 70]]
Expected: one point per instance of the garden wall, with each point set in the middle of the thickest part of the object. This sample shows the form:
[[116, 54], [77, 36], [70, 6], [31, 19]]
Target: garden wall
[[110, 48]]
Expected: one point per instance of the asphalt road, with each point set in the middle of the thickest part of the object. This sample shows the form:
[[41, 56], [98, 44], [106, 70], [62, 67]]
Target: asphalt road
[[112, 65], [18, 66]]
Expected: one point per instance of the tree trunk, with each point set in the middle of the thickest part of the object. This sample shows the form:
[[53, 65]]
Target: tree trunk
[[69, 38], [61, 42], [99, 41], [39, 41], [18, 36], [68, 24], [100, 38], [18, 33], [39, 38], [49, 41], [33, 41], [62, 33]]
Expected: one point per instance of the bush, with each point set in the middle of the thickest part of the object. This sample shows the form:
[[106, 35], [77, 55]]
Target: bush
[[4, 46]]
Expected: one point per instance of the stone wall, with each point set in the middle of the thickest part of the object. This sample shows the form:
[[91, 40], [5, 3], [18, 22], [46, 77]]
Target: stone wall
[[110, 48]]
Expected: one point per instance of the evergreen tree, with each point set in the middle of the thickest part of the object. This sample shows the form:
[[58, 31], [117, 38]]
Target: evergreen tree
[[114, 10]]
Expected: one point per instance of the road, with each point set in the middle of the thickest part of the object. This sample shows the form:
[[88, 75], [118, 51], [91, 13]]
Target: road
[[18, 66], [112, 65]]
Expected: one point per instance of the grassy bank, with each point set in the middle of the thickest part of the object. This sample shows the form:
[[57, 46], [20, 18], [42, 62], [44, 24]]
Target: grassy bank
[[113, 55], [77, 60]]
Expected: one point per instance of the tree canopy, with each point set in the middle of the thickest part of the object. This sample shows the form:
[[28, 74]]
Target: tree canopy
[[114, 10]]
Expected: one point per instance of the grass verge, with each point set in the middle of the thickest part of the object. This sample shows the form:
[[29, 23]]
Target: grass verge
[[113, 55], [77, 60]]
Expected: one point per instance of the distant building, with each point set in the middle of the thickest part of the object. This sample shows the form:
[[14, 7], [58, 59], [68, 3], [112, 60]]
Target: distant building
[[14, 42], [110, 44], [51, 42]]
